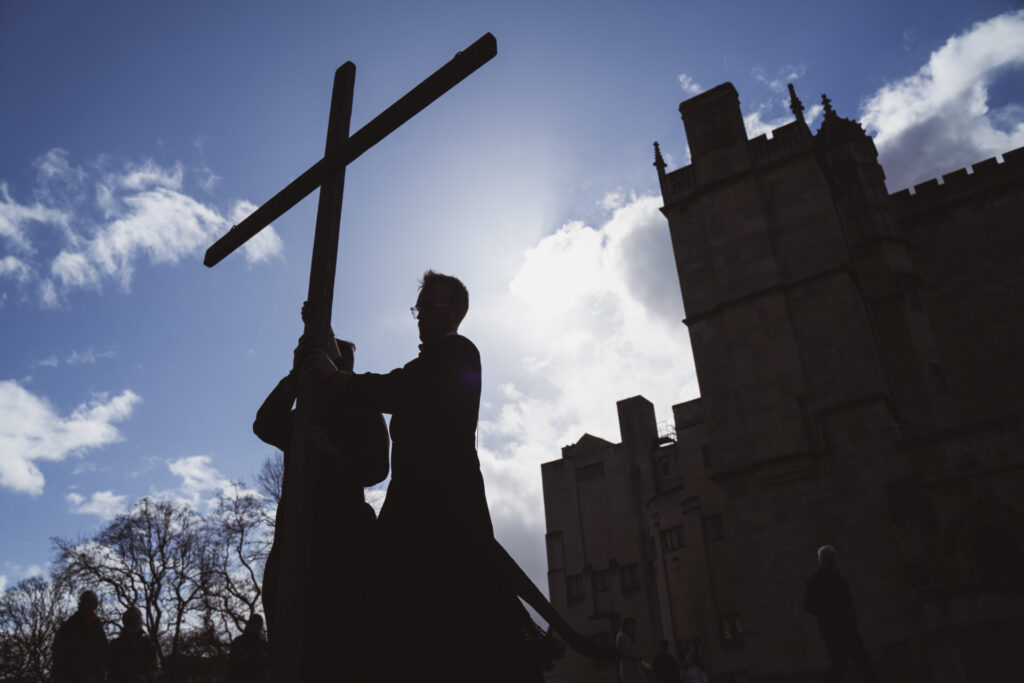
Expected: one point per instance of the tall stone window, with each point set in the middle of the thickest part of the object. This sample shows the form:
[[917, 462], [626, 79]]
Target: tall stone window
[[674, 538], [732, 632], [691, 646], [602, 579], [629, 575], [556, 550], [591, 471], [714, 528], [574, 587]]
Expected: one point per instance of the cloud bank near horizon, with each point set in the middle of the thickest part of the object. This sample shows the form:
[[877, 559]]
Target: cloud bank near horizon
[[601, 312]]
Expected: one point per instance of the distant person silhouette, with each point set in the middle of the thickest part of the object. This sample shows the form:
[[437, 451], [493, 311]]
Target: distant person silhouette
[[248, 658], [828, 598], [692, 671], [80, 645], [133, 657], [630, 670], [666, 668], [435, 540], [349, 443]]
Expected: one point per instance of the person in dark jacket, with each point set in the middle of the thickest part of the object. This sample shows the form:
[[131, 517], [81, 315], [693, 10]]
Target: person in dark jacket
[[666, 668], [350, 444], [248, 658], [827, 597], [80, 645], [461, 622], [133, 656]]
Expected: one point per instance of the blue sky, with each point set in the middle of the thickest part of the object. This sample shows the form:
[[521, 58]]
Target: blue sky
[[134, 134]]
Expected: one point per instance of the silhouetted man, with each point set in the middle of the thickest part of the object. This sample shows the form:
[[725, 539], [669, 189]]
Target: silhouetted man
[[80, 645], [436, 543], [132, 654], [692, 672], [350, 445], [629, 656], [828, 598], [248, 660], [666, 668]]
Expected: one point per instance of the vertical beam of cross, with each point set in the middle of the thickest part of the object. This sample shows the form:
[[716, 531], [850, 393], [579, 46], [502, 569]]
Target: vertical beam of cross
[[295, 594]]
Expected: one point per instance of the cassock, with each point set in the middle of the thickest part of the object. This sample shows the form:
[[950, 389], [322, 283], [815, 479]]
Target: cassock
[[434, 535], [340, 564]]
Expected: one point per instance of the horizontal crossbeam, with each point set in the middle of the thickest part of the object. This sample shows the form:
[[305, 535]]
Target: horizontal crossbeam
[[441, 81]]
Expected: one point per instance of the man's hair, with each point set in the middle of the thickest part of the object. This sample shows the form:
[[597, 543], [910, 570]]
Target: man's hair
[[827, 556], [458, 295], [133, 610], [90, 595]]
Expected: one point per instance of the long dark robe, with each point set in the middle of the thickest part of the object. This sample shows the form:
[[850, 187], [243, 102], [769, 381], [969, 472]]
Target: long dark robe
[[80, 649], [827, 596], [439, 599], [340, 564]]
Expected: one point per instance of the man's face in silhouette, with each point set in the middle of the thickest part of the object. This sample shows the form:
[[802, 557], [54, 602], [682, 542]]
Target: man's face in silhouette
[[436, 317]]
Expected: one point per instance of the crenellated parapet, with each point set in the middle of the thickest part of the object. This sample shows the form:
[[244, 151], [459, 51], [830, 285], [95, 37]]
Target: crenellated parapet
[[719, 146], [785, 140], [984, 176]]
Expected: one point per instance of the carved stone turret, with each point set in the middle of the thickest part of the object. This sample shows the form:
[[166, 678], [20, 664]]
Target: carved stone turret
[[715, 133], [836, 130]]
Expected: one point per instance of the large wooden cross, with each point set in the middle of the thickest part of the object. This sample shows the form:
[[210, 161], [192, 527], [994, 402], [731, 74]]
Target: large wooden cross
[[294, 601]]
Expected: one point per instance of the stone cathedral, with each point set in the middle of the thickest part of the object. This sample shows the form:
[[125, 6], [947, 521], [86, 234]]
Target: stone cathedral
[[860, 357]]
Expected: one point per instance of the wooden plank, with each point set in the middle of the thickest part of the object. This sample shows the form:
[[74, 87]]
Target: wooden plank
[[441, 81]]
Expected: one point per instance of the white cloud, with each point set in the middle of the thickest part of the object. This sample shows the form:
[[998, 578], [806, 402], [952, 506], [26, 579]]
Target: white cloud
[[600, 316], [689, 86], [89, 356], [3, 582], [161, 223], [103, 504], [939, 119], [784, 76], [48, 295], [54, 165], [13, 267], [265, 245], [201, 482], [15, 219], [141, 213], [767, 117], [147, 175], [31, 430]]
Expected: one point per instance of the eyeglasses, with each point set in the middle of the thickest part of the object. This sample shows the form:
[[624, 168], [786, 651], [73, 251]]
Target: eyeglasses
[[416, 310]]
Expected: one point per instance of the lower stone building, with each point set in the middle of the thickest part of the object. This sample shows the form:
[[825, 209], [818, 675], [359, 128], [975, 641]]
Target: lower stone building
[[860, 357]]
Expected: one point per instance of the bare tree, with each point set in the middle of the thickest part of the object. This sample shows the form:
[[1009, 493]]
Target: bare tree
[[270, 483], [270, 479], [155, 558], [238, 541], [30, 613]]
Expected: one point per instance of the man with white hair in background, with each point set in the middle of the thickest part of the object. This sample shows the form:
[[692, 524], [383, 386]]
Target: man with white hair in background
[[828, 598]]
